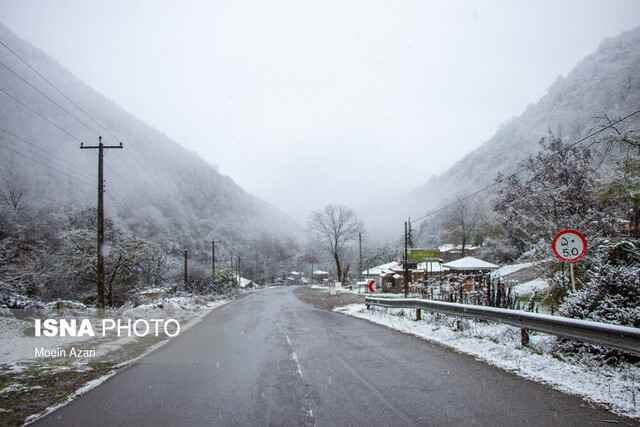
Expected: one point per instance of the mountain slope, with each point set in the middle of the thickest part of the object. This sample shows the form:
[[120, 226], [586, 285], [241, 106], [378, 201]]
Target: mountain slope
[[155, 188], [605, 82]]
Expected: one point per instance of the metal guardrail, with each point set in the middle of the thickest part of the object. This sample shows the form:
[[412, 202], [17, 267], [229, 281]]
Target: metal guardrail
[[620, 337]]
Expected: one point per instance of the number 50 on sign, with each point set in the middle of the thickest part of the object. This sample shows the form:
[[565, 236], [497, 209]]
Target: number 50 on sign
[[569, 245]]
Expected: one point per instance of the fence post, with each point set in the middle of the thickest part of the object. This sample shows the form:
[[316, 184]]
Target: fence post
[[524, 338]]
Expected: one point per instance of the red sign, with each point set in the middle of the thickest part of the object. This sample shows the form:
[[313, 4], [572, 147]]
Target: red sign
[[371, 283], [569, 245]]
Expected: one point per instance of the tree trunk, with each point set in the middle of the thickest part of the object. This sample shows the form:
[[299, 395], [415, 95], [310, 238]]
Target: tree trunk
[[336, 258]]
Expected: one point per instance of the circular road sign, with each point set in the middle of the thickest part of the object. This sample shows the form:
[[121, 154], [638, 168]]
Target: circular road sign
[[569, 245]]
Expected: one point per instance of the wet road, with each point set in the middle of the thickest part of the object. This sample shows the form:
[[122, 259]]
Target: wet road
[[270, 359]]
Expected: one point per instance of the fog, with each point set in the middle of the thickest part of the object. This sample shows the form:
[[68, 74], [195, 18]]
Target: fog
[[305, 103]]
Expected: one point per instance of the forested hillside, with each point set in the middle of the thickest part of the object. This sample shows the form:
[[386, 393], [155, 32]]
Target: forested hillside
[[155, 190], [605, 83]]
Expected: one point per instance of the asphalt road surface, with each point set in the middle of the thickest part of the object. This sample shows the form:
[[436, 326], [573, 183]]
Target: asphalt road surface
[[270, 359]]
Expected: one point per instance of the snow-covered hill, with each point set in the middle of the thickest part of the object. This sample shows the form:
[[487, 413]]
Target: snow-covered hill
[[154, 187], [605, 82]]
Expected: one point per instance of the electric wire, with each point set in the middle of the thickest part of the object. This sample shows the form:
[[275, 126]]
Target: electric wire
[[69, 113], [60, 128], [46, 165], [38, 114], [52, 165], [544, 159], [43, 158], [88, 115], [47, 97], [88, 174]]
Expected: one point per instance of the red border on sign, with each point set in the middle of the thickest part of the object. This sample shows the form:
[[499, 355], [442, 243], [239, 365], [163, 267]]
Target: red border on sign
[[584, 245]]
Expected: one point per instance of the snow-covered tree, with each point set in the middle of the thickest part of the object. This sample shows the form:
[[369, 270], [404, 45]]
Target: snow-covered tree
[[611, 294], [555, 192], [129, 262], [619, 188]]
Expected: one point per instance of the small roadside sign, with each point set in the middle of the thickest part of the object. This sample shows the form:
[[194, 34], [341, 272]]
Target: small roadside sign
[[332, 290], [569, 245]]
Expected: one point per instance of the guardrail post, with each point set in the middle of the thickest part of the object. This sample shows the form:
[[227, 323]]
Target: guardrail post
[[524, 337], [418, 314]]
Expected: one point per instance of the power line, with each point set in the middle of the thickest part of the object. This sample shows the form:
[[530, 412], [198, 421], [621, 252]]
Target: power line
[[46, 165], [120, 201], [45, 152], [86, 114], [53, 86], [43, 158], [57, 126], [50, 100], [38, 114], [500, 181]]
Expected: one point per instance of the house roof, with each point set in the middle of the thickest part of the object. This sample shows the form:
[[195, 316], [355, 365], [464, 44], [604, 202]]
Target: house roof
[[389, 267], [451, 247], [470, 264], [394, 267]]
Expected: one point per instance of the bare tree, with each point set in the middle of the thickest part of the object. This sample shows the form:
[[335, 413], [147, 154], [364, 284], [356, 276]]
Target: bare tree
[[12, 191], [461, 221], [334, 227]]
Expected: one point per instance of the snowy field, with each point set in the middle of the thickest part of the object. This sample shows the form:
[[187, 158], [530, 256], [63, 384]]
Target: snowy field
[[617, 389]]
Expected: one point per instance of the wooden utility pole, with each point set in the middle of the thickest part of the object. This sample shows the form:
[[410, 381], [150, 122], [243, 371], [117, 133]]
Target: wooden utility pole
[[100, 267], [360, 247], [213, 259], [186, 283], [406, 263]]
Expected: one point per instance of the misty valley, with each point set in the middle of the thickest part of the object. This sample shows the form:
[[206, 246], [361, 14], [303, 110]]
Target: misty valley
[[115, 239]]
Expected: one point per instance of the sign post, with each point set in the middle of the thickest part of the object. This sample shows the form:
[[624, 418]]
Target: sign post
[[569, 246]]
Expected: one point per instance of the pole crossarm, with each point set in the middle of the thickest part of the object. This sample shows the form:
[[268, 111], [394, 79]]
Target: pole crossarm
[[619, 337]]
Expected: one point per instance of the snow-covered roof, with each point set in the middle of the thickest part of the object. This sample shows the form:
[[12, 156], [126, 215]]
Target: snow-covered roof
[[469, 264], [389, 267], [319, 272], [394, 267], [450, 247]]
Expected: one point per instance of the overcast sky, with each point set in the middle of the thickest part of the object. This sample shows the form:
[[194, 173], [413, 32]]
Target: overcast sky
[[305, 103]]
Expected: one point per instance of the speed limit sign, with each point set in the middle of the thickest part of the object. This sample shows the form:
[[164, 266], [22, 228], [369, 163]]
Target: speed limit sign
[[569, 245]]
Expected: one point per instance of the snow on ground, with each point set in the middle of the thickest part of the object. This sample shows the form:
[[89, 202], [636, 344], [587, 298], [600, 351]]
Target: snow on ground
[[19, 342], [618, 389], [510, 269], [530, 287], [17, 353]]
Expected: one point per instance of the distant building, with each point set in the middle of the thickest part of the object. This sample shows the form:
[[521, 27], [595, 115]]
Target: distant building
[[320, 276]]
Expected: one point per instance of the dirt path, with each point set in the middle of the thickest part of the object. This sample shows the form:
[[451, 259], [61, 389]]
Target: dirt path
[[321, 298]]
